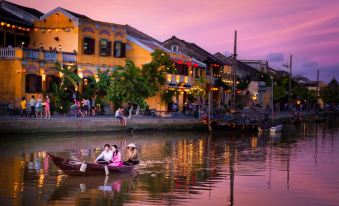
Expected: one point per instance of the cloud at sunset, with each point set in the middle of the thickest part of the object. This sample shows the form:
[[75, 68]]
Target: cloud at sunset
[[307, 28]]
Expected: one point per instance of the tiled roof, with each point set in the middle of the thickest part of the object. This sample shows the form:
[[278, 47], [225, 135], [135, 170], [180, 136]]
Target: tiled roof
[[142, 38], [81, 16], [193, 50], [223, 58], [17, 14], [32, 11]]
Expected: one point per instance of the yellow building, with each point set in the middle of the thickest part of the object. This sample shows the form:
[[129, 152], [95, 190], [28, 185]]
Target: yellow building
[[58, 36], [139, 49]]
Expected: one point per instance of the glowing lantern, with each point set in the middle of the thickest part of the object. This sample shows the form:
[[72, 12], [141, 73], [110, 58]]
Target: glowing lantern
[[177, 78], [169, 77]]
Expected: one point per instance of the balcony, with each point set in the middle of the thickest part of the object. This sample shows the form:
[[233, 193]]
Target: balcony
[[8, 53], [38, 55], [176, 80]]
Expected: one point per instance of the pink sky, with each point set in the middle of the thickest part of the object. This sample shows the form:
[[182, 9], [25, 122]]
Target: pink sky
[[267, 29]]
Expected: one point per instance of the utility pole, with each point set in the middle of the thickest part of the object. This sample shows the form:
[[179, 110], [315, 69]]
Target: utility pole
[[318, 83], [272, 100], [289, 86], [234, 77]]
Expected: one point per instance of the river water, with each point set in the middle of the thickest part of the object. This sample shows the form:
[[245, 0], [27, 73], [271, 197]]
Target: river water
[[298, 167]]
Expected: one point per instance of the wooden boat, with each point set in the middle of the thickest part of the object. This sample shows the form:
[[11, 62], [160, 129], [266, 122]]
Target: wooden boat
[[276, 128], [72, 168]]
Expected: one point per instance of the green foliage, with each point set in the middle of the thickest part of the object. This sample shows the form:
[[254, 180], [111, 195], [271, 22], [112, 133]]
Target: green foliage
[[302, 93], [61, 94], [128, 85], [263, 77], [220, 83], [60, 99], [243, 83], [69, 79], [155, 71], [330, 93], [279, 93], [166, 96]]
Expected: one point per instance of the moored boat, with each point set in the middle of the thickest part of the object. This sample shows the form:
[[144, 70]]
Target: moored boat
[[276, 128], [72, 168]]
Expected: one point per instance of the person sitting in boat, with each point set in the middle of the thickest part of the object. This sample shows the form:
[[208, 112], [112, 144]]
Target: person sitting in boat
[[116, 157], [132, 155], [106, 156]]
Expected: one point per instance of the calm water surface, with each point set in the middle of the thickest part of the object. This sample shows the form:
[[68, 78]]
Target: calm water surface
[[298, 167]]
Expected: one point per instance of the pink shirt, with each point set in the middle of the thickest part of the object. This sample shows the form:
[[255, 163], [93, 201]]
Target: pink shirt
[[116, 160]]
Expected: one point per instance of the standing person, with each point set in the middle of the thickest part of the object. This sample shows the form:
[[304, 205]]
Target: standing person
[[132, 155], [38, 106], [106, 156], [93, 105], [23, 107], [122, 117], [117, 115], [86, 104], [47, 107], [116, 157], [32, 104]]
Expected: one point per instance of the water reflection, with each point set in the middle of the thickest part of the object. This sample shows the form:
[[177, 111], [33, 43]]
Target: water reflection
[[294, 167]]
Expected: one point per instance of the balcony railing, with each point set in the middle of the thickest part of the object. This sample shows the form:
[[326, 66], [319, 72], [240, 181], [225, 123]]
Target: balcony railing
[[175, 79], [31, 54], [7, 52], [50, 55], [69, 57]]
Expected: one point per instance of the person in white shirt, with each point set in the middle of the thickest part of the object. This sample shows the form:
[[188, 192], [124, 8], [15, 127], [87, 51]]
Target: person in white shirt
[[106, 156]]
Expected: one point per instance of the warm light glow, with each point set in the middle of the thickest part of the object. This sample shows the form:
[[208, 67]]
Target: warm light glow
[[85, 82], [35, 29], [2, 23], [80, 74], [8, 25], [96, 78], [13, 26], [43, 77], [186, 80], [298, 102], [169, 77], [61, 74], [42, 71], [177, 78]]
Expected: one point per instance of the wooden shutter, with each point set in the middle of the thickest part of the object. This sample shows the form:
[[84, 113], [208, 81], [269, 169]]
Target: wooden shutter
[[38, 80], [109, 48], [123, 50], [92, 46]]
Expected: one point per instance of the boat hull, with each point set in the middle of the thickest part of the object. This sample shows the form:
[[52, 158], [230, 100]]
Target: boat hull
[[72, 168]]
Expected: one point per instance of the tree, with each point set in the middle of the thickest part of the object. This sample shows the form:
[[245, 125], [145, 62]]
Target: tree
[[129, 86], [155, 71], [330, 93], [61, 94]]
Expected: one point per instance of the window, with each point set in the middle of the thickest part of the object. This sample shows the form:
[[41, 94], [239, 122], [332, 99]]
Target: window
[[105, 47], [33, 83], [89, 45], [197, 73], [50, 81], [182, 69], [119, 49], [175, 48]]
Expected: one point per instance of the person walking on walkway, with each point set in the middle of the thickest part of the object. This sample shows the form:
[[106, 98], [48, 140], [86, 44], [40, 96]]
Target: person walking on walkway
[[32, 103], [38, 106], [23, 107], [47, 107]]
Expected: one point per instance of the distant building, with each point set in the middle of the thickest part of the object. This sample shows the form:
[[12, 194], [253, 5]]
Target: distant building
[[259, 65]]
